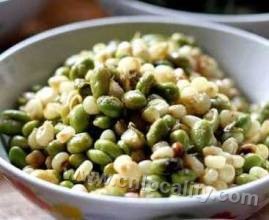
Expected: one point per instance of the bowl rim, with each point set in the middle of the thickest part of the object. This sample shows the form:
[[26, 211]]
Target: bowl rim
[[229, 19], [154, 202]]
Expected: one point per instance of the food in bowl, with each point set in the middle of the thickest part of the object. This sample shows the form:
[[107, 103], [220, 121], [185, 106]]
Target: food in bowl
[[215, 6], [136, 114]]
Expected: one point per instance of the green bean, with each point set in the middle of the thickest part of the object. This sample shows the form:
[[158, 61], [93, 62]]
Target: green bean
[[79, 119], [157, 131], [252, 160], [19, 141], [79, 143], [102, 122], [16, 115], [108, 147], [168, 90], [79, 69], [245, 178], [99, 157], [100, 80], [184, 176], [75, 160], [202, 134], [29, 127], [66, 183], [134, 99], [145, 83], [55, 147], [17, 156], [110, 106], [10, 127], [180, 136]]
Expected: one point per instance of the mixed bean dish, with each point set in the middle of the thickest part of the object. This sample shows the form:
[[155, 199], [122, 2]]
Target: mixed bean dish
[[137, 114]]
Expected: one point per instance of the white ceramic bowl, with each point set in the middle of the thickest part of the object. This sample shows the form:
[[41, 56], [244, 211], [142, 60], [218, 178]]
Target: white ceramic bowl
[[14, 12], [257, 23], [244, 56]]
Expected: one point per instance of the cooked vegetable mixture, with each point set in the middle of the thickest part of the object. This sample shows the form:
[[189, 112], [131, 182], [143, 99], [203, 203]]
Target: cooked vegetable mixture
[[135, 115]]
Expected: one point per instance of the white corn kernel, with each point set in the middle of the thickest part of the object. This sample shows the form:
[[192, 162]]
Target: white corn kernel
[[210, 176], [55, 82], [215, 162], [220, 185], [47, 175], [164, 74], [238, 161], [51, 111], [66, 134], [212, 151], [79, 188], [163, 152], [262, 150], [45, 134], [46, 95], [129, 65], [227, 173], [59, 161], [32, 140], [195, 164], [145, 166], [230, 146], [34, 108], [177, 111], [90, 105], [83, 171]]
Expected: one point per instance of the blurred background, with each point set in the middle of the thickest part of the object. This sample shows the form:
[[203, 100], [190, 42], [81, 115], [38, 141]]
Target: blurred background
[[40, 17]]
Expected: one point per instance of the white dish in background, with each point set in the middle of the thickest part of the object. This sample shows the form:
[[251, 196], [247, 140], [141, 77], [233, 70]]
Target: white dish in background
[[243, 55], [257, 23]]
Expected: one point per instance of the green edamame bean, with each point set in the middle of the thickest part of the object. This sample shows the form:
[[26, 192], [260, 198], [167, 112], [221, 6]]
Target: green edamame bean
[[10, 127], [157, 131], [147, 192], [134, 99], [79, 69], [252, 160], [154, 181], [169, 120], [179, 60], [245, 178], [109, 170], [184, 176], [55, 147], [67, 184], [100, 80], [180, 136], [62, 71], [19, 141], [107, 146], [266, 141], [75, 160], [202, 134], [102, 122], [79, 143], [99, 157], [79, 119], [17, 157], [110, 106], [221, 102], [29, 127], [16, 115], [168, 90], [126, 149], [68, 174], [83, 87], [244, 122], [145, 83], [264, 114]]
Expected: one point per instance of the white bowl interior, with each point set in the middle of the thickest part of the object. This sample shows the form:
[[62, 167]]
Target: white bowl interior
[[242, 55]]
